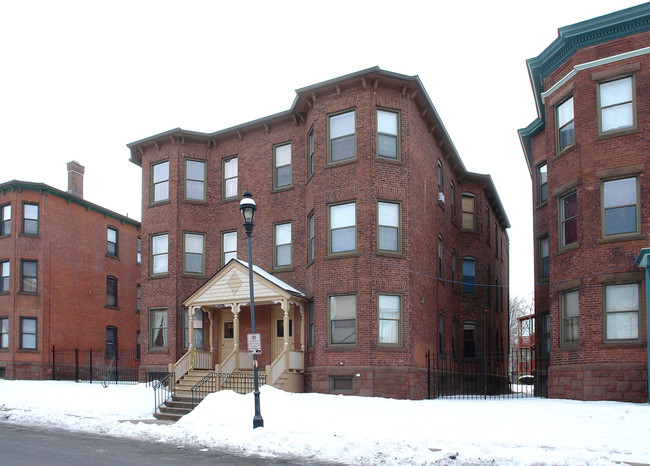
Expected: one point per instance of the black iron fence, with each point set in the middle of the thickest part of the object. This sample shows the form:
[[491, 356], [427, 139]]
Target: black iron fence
[[163, 387], [213, 382], [519, 374], [88, 365]]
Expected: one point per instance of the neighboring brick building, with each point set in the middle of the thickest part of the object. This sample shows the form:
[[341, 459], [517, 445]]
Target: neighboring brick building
[[587, 153], [69, 273], [367, 216]]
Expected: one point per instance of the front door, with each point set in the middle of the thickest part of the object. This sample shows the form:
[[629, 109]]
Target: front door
[[226, 334], [279, 331]]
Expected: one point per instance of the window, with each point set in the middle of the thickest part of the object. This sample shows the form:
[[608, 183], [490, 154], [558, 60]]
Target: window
[[5, 220], [341, 384], [229, 246], [468, 204], [441, 333], [193, 253], [28, 333], [111, 341], [4, 332], [30, 219], [4, 276], [469, 339], [565, 135], [111, 242], [282, 244], [342, 139], [440, 176], [543, 258], [158, 328], [453, 337], [159, 254], [487, 226], [616, 100], [137, 344], [469, 275], [440, 256], [622, 312], [620, 213], [452, 201], [388, 224], [489, 288], [390, 312], [542, 185], [160, 182], [343, 231], [388, 134], [312, 245], [343, 319], [138, 254], [312, 326], [29, 276], [111, 291], [310, 153], [569, 330], [138, 298], [199, 325], [230, 167], [282, 165], [453, 269], [195, 180], [569, 219]]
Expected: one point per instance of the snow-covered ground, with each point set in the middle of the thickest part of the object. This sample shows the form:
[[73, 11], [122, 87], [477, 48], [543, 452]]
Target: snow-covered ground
[[351, 430]]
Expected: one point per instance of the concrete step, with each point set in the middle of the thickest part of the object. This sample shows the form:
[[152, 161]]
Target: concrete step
[[167, 417]]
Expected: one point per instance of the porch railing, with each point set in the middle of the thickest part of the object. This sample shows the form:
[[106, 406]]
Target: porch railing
[[245, 360], [213, 382], [228, 365], [296, 360], [202, 360], [182, 366]]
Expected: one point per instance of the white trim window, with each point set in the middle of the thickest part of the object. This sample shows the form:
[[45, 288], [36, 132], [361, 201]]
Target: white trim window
[[343, 319], [388, 220], [159, 254], [282, 165], [160, 182], [389, 319], [229, 246], [565, 125], [620, 206], [230, 167], [342, 136], [616, 100], [622, 312], [282, 246], [343, 230], [388, 134]]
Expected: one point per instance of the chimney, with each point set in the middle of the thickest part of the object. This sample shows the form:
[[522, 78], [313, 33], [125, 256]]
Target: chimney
[[76, 179]]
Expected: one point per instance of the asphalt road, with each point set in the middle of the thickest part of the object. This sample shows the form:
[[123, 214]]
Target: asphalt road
[[22, 445]]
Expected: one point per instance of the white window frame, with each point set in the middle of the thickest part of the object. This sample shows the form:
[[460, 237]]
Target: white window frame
[[230, 185]]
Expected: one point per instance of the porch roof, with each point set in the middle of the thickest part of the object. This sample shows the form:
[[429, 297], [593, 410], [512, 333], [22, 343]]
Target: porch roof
[[230, 285]]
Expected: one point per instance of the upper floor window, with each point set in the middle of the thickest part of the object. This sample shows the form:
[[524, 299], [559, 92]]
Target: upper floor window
[[228, 246], [4, 276], [111, 291], [616, 100], [388, 224], [310, 153], [30, 219], [469, 275], [620, 207], [569, 219], [312, 246], [5, 220], [160, 182], [28, 333], [440, 177], [543, 258], [282, 244], [441, 250], [341, 136], [343, 319], [282, 165], [29, 276], [452, 201], [542, 185], [158, 328], [441, 333], [111, 242], [4, 332], [195, 180], [565, 135], [468, 202], [138, 298], [388, 134], [194, 253], [487, 226], [453, 269], [111, 341], [569, 330], [159, 254], [138, 254], [622, 312], [342, 228], [390, 315], [230, 167]]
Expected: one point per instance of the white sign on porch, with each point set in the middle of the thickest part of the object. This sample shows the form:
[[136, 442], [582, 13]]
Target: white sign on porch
[[254, 343]]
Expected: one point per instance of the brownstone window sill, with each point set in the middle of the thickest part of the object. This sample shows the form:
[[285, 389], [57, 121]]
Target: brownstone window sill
[[565, 151], [618, 132], [282, 189], [229, 199], [111, 256], [397, 161], [158, 350], [569, 348], [290, 268], [396, 255], [622, 344], [157, 204], [162, 275], [339, 163], [336, 348], [621, 237], [567, 249], [340, 255], [195, 201], [116, 308]]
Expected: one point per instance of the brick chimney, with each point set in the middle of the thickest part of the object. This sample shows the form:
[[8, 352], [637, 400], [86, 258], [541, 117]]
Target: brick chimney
[[76, 179]]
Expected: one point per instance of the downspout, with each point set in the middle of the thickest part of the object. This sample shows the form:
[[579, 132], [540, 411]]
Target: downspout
[[642, 261]]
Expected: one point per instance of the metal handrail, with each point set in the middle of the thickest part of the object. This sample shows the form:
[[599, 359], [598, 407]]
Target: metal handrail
[[163, 386], [199, 389], [214, 381]]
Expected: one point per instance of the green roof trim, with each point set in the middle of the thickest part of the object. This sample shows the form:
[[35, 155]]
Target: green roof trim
[[570, 39]]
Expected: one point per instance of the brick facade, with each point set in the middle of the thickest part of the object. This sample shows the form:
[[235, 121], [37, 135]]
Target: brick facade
[[599, 364], [69, 301], [411, 180]]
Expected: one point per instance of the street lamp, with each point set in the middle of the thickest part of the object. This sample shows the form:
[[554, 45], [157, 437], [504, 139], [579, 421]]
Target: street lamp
[[248, 207]]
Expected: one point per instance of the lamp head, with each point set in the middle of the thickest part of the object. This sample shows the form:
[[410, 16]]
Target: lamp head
[[247, 207]]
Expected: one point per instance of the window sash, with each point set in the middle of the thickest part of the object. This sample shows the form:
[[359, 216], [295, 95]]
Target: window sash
[[622, 311], [389, 319], [570, 317], [387, 134], [159, 254], [343, 227], [29, 277], [342, 136], [569, 219], [199, 340], [565, 124], [229, 246], [230, 167], [5, 268], [283, 244], [616, 104], [282, 163], [195, 180], [160, 180], [544, 259], [388, 219], [30, 219], [111, 242], [620, 206], [542, 179], [111, 291], [158, 328], [310, 153], [343, 314], [4, 332], [312, 245], [469, 275], [194, 249], [28, 333], [468, 205], [469, 340], [5, 220]]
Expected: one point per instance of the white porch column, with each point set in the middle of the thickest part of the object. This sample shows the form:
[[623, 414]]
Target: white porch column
[[285, 321], [236, 309], [211, 317], [190, 319], [302, 325]]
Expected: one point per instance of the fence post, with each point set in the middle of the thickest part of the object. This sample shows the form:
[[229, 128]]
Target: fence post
[[117, 366], [91, 365], [428, 374], [53, 364], [76, 364]]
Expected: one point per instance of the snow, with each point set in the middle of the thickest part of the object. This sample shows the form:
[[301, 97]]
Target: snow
[[350, 429]]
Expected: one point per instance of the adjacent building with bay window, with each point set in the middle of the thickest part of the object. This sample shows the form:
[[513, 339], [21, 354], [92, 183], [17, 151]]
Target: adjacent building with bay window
[[372, 243], [69, 276], [587, 153]]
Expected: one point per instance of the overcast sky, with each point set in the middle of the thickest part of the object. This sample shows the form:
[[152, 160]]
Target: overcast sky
[[80, 80]]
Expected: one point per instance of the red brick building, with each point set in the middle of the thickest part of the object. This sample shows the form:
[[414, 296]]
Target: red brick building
[[586, 153], [69, 272], [374, 243]]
